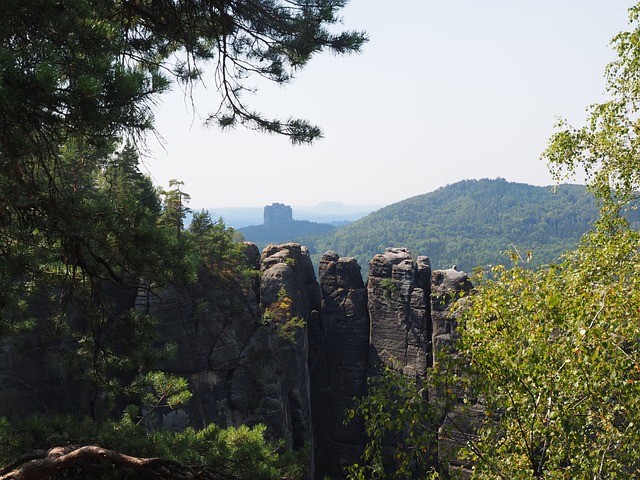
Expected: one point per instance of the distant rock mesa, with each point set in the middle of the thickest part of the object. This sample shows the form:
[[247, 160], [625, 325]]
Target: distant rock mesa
[[277, 214]]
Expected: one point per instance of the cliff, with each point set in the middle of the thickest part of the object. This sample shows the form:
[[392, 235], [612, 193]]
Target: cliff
[[277, 214], [243, 370]]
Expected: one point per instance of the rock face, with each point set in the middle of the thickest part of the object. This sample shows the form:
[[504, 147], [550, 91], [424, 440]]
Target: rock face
[[279, 227], [446, 286], [339, 352], [240, 366], [461, 423], [277, 214], [39, 369], [35, 376], [289, 267], [399, 291], [215, 342]]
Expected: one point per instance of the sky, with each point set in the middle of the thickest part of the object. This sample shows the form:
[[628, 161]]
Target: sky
[[443, 91]]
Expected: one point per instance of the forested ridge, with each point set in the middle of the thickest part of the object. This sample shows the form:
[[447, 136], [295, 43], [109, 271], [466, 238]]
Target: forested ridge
[[295, 231], [472, 223]]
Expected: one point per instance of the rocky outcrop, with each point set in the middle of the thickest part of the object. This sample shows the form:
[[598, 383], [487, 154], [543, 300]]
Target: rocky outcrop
[[339, 351], [239, 368], [460, 424], [447, 287], [288, 267], [399, 308], [243, 370], [277, 214], [35, 376], [215, 335], [280, 227], [41, 370]]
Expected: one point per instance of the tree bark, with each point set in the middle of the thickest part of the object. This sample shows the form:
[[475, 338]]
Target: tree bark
[[42, 464]]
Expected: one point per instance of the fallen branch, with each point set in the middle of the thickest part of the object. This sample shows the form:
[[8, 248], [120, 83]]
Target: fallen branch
[[42, 464]]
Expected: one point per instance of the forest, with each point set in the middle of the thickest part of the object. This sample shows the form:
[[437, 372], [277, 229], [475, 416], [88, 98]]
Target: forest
[[473, 223], [546, 351], [295, 231]]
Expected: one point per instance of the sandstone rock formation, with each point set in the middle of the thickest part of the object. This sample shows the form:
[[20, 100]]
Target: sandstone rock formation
[[280, 227], [35, 376], [241, 370], [338, 354], [39, 369], [277, 214], [448, 287], [399, 291]]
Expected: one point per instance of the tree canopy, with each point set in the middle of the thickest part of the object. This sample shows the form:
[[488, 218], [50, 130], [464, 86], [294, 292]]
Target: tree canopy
[[77, 77], [95, 69]]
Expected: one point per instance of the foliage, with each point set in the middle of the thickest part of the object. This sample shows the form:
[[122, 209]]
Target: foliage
[[554, 355], [94, 223], [472, 223], [279, 313], [216, 245], [91, 69], [75, 249], [401, 426], [174, 207], [555, 351], [110, 238], [156, 391], [242, 453], [389, 288], [108, 354]]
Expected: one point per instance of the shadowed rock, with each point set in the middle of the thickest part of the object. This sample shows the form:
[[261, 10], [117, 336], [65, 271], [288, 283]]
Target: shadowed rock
[[242, 371], [460, 424], [339, 360]]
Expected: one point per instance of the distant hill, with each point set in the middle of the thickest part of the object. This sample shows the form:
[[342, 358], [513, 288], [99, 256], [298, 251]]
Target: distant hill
[[295, 231], [470, 223], [334, 213]]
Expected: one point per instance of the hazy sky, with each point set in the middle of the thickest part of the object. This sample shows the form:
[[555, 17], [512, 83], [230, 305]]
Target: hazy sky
[[445, 90]]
